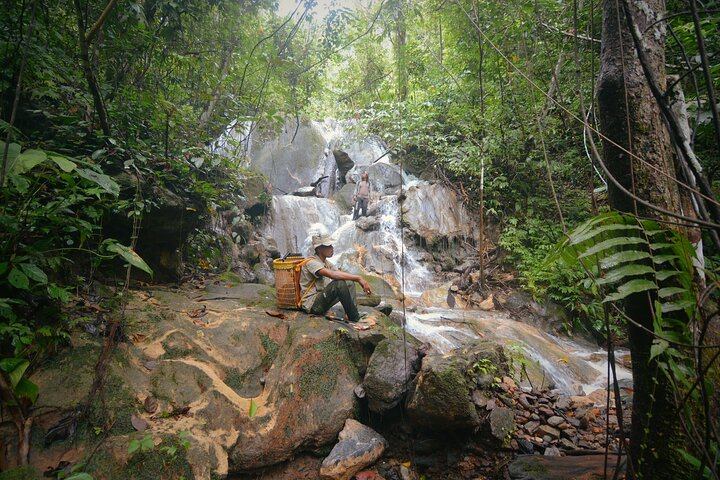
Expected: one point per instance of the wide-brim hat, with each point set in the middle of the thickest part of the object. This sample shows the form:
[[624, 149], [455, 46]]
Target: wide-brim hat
[[322, 240]]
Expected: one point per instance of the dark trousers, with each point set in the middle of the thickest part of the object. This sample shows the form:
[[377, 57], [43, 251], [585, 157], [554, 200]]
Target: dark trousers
[[361, 204], [337, 290]]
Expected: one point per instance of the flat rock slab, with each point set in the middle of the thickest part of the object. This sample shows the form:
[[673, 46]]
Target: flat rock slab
[[246, 293], [585, 467]]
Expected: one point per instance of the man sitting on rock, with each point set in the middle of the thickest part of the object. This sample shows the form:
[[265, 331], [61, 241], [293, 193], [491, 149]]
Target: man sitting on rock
[[322, 285]]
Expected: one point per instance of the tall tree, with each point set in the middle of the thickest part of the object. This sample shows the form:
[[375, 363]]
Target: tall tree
[[85, 40], [631, 121]]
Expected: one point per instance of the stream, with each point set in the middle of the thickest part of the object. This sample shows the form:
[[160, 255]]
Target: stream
[[432, 216]]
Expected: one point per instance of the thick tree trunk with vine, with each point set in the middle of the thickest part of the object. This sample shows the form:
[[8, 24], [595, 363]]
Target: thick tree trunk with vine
[[631, 118]]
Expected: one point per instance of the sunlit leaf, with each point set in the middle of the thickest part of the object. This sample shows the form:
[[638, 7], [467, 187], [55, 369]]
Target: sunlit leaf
[[28, 160], [629, 288], [65, 164], [624, 271], [15, 368], [130, 256], [622, 257], [253, 408]]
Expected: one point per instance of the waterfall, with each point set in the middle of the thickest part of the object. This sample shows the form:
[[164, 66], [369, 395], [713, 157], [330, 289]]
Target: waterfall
[[374, 245]]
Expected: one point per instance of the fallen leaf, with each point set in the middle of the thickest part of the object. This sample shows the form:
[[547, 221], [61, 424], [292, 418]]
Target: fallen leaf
[[138, 337], [138, 423], [279, 315], [563, 360], [150, 404], [198, 313]]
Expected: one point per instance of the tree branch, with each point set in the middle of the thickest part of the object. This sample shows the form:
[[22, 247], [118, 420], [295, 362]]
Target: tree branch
[[99, 22]]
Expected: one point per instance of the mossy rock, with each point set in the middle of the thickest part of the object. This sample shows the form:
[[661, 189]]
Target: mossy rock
[[22, 473]]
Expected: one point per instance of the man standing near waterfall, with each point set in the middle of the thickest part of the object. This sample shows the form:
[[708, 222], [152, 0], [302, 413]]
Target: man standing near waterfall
[[322, 285], [361, 197]]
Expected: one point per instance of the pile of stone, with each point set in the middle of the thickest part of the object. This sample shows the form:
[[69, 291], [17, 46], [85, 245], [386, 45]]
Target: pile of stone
[[550, 423]]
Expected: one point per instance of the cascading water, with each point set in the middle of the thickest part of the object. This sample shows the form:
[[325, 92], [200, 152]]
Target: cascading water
[[375, 246]]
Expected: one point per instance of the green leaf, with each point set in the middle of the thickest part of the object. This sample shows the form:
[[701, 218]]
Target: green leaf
[[57, 292], [18, 279], [147, 443], [624, 271], [20, 183], [660, 259], [658, 347], [15, 368], [622, 257], [13, 153], [102, 180], [253, 408], [665, 274], [34, 272], [633, 286], [28, 160], [81, 476], [65, 164], [676, 306], [576, 239], [3, 267], [610, 244], [133, 446], [670, 291], [27, 389], [130, 256]]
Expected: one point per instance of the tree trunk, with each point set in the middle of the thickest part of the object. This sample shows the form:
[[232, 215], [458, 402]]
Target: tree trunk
[[85, 40], [631, 118], [401, 79]]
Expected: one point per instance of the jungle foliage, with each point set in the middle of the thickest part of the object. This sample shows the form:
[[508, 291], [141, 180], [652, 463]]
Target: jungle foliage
[[460, 90]]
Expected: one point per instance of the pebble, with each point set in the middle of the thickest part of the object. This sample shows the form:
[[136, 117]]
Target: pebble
[[555, 421], [552, 452]]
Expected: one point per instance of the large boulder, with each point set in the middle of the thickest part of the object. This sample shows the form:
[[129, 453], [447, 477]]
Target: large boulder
[[250, 389], [358, 447], [392, 365], [441, 398], [434, 212]]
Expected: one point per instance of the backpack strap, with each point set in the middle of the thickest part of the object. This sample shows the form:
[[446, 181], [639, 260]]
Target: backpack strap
[[298, 267]]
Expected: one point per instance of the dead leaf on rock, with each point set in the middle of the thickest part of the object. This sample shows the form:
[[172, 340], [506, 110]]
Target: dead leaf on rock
[[150, 404], [138, 337], [198, 313], [138, 423]]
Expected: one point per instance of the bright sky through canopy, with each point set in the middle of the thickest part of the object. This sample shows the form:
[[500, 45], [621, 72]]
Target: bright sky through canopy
[[321, 8]]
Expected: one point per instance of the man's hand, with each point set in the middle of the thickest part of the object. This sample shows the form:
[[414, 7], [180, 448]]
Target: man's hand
[[365, 286]]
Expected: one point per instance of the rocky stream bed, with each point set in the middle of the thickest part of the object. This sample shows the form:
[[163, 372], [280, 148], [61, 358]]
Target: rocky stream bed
[[206, 384]]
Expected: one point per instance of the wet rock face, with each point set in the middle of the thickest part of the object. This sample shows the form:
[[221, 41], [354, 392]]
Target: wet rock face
[[434, 212], [388, 374], [358, 447], [292, 157]]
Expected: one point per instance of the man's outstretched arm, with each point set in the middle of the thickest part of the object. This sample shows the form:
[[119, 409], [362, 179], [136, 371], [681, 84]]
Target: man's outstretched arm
[[339, 275]]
